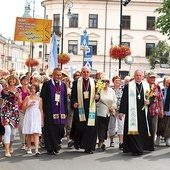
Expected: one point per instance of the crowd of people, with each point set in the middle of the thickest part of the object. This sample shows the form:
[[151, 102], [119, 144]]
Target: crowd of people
[[45, 109]]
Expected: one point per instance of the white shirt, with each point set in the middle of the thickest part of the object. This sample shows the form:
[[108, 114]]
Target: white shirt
[[107, 99]]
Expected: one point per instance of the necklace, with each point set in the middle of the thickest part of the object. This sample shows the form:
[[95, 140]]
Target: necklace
[[139, 92]]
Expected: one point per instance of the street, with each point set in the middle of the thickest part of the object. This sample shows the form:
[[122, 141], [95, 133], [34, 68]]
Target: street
[[71, 159]]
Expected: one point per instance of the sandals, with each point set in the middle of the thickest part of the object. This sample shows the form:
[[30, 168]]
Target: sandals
[[29, 152], [11, 150], [37, 153], [7, 154]]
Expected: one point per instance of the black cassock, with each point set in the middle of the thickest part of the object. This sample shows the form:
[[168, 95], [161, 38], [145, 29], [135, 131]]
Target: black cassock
[[167, 100], [53, 133], [84, 136], [136, 143]]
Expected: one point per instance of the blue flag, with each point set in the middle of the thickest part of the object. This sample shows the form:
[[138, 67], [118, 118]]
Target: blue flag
[[53, 59]]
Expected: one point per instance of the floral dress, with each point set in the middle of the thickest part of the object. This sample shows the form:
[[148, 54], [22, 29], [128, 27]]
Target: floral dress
[[10, 109], [119, 96]]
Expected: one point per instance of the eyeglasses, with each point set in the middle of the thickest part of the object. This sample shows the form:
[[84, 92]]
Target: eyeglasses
[[86, 71], [105, 81]]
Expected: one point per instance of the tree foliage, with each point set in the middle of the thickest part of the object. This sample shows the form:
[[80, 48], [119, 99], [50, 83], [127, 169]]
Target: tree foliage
[[159, 54], [163, 21]]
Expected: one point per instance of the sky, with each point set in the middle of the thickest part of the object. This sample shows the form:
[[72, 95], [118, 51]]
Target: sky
[[10, 9]]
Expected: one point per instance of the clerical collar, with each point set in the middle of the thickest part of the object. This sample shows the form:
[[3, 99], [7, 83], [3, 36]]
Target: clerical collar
[[139, 83], [86, 79]]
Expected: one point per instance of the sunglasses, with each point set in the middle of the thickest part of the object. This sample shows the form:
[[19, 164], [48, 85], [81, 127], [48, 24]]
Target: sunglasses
[[105, 81]]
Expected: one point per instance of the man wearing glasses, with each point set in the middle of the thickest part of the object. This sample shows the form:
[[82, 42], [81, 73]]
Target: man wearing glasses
[[84, 126]]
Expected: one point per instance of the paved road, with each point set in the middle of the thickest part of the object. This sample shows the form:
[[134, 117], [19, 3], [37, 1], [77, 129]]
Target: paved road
[[70, 159]]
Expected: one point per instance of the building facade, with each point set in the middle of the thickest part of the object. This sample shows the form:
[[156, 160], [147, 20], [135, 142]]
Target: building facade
[[12, 55], [101, 20]]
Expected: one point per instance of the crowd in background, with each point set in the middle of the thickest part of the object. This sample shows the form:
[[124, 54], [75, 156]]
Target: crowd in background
[[46, 108]]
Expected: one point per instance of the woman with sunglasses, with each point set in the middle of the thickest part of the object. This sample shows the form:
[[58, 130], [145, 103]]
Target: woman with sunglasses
[[105, 108]]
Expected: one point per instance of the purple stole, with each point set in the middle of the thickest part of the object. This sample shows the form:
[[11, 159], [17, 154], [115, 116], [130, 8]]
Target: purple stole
[[59, 116]]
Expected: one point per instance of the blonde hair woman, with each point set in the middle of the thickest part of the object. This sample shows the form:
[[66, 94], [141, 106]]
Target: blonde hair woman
[[10, 112]]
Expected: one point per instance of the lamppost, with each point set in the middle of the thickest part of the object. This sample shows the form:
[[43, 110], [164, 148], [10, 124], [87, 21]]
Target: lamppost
[[111, 45], [67, 4], [122, 3], [27, 15]]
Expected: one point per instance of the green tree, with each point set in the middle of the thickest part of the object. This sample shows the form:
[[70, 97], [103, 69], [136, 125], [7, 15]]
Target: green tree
[[163, 21], [159, 54]]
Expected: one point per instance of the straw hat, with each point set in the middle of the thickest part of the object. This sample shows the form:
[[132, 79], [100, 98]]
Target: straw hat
[[15, 77], [65, 72], [104, 77], [39, 77]]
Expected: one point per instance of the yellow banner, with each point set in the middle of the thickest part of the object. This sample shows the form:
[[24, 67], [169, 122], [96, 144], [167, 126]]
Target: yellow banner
[[33, 30]]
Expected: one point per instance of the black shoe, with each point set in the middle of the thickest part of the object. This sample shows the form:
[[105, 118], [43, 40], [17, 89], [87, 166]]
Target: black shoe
[[76, 146], [42, 144], [50, 152], [59, 146], [55, 152], [120, 145], [140, 153], [70, 144], [88, 151], [137, 153], [103, 147]]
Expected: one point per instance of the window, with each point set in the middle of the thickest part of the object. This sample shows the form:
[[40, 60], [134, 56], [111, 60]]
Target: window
[[72, 46], [126, 43], [73, 22], [56, 24], [94, 47], [40, 54], [149, 47], [56, 20], [126, 22], [93, 21], [150, 23]]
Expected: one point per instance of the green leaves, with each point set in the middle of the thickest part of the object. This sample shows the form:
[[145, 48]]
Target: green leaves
[[159, 54], [163, 20]]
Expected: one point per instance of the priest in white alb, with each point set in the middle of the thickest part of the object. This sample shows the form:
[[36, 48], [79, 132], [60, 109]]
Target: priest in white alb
[[137, 130]]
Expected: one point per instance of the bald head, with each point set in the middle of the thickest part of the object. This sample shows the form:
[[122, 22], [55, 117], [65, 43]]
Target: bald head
[[138, 75]]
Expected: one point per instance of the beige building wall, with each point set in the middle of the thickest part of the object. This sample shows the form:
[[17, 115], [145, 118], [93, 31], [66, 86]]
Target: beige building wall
[[109, 14], [138, 36]]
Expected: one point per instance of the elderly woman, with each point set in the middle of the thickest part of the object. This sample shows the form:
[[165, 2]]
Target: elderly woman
[[120, 123], [105, 107], [69, 118], [164, 122], [10, 112]]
